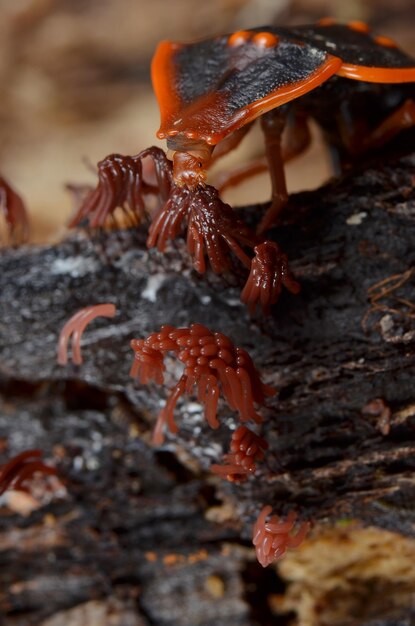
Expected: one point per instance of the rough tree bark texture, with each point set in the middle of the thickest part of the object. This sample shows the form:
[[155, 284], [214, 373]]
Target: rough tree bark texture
[[146, 536]]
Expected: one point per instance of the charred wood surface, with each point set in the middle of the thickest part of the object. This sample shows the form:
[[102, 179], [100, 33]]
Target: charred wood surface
[[137, 526]]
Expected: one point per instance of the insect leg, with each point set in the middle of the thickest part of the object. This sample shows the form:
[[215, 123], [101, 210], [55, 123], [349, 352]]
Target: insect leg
[[297, 136], [272, 124], [403, 117]]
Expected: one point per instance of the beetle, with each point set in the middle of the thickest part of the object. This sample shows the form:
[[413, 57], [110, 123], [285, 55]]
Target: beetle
[[358, 87], [210, 92]]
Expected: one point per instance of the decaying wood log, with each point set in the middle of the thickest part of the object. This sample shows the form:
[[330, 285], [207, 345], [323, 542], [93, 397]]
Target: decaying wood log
[[150, 536]]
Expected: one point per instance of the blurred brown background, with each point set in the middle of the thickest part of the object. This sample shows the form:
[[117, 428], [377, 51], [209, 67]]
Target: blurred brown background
[[76, 85]]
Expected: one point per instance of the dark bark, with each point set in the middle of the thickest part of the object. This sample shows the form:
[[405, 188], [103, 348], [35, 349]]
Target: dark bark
[[327, 458]]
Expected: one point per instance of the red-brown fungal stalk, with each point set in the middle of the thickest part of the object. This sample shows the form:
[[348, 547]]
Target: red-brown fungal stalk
[[246, 449], [212, 363], [213, 229], [121, 185], [75, 326], [272, 538], [13, 208], [269, 272], [21, 468]]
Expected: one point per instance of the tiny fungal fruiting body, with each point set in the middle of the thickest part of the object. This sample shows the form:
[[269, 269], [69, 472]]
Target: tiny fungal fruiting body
[[15, 214], [21, 468], [212, 363], [246, 449], [269, 272], [75, 326], [272, 538], [213, 228], [121, 184]]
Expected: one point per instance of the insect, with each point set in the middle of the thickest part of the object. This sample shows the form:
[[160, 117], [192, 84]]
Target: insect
[[358, 87], [211, 91]]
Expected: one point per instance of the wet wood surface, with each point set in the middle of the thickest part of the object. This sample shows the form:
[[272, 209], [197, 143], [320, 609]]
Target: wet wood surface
[[145, 534]]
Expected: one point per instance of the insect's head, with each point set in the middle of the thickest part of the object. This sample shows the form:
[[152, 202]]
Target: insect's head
[[190, 160]]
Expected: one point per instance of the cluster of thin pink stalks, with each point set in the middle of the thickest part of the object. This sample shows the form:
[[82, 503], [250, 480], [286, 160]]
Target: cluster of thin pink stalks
[[122, 184], [214, 231], [273, 537], [21, 468], [75, 327], [269, 273], [246, 449], [212, 363], [213, 228]]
